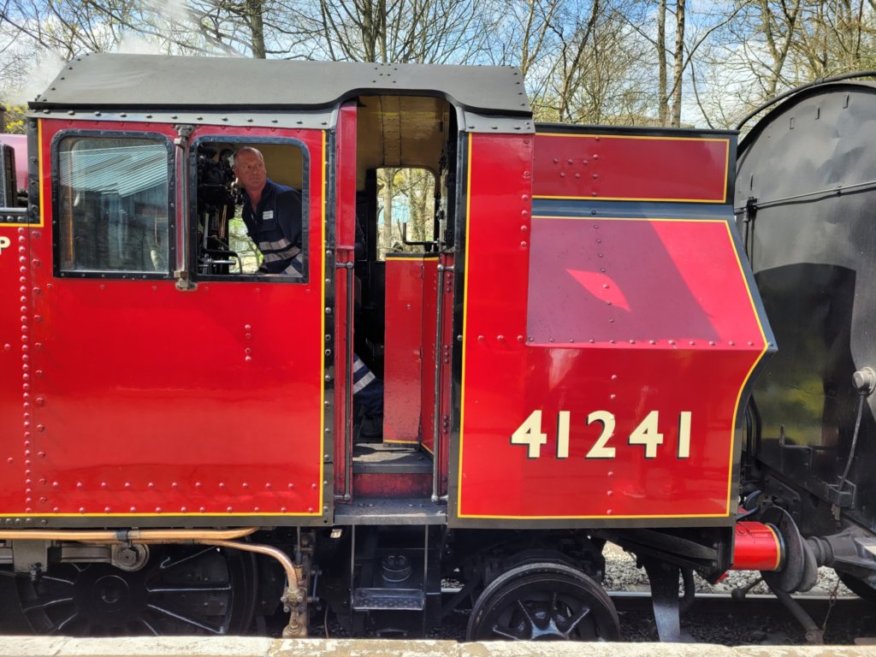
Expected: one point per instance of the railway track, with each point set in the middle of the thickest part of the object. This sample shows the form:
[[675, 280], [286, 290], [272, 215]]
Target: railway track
[[754, 619], [713, 618]]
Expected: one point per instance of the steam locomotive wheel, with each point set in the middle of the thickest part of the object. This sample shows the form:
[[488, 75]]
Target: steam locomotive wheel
[[180, 590], [543, 602]]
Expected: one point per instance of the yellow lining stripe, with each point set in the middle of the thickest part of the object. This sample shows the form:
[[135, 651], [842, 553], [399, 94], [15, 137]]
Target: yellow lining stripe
[[169, 514], [690, 220], [320, 485], [750, 370], [411, 258], [40, 179], [464, 328], [593, 135], [654, 199]]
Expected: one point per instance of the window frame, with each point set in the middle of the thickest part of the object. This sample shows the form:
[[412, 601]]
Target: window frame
[[239, 140], [153, 137]]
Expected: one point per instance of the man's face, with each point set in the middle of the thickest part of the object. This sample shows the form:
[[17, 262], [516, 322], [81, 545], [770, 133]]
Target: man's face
[[250, 171]]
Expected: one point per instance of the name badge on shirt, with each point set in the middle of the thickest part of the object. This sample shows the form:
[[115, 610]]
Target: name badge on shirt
[[267, 214]]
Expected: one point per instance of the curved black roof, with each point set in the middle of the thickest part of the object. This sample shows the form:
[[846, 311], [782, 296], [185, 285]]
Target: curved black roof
[[114, 81]]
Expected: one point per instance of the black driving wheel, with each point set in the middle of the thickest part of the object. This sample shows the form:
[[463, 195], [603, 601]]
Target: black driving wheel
[[543, 602], [180, 590]]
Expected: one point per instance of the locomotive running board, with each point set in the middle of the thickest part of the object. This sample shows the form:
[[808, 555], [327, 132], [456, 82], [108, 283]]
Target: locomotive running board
[[380, 511]]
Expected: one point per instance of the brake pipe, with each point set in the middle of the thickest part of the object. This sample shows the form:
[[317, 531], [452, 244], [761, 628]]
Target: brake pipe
[[124, 535]]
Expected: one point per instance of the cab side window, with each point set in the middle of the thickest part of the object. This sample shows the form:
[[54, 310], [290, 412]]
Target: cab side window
[[111, 205], [250, 209]]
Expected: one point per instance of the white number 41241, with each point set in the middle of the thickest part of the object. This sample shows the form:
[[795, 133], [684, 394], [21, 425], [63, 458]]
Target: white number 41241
[[647, 434]]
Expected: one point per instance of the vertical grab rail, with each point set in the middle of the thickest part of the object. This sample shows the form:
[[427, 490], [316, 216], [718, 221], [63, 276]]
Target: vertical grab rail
[[436, 419], [182, 271], [348, 394]]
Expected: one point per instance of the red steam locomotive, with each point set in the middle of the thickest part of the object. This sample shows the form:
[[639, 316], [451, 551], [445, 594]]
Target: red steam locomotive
[[566, 360]]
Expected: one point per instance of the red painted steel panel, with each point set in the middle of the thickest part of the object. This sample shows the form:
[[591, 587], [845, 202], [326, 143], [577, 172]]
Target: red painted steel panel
[[427, 379], [15, 364], [345, 211], [159, 402], [403, 355], [606, 167], [398, 484], [600, 465]]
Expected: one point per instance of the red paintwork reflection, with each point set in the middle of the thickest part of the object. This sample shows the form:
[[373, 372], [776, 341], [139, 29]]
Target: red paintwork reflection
[[601, 286]]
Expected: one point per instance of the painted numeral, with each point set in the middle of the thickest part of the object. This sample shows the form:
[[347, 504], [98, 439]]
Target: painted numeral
[[684, 435], [600, 449], [563, 434], [529, 433], [647, 435]]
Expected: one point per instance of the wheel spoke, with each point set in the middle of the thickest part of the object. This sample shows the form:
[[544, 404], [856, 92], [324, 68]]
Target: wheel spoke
[[504, 633], [60, 626], [145, 623], [46, 605], [59, 580], [585, 611], [184, 619], [529, 618], [206, 588], [169, 562]]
